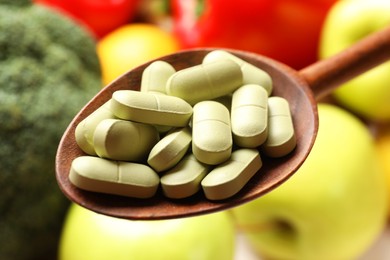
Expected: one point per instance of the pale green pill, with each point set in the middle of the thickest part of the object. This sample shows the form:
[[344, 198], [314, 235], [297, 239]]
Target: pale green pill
[[211, 132], [249, 116], [281, 136], [205, 81], [229, 178], [170, 149], [184, 179], [124, 140], [150, 108], [86, 128], [155, 77], [114, 177], [251, 73]]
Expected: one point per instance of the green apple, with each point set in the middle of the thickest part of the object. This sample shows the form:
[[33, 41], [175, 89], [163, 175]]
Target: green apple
[[90, 236], [347, 22], [335, 205]]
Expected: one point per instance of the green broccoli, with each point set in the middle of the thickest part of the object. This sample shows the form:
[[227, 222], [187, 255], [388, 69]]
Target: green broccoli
[[48, 70]]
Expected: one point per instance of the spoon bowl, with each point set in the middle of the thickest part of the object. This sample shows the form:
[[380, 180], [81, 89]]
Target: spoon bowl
[[300, 88]]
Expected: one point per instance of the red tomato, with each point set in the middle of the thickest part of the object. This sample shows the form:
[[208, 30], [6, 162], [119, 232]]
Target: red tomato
[[285, 30], [101, 16]]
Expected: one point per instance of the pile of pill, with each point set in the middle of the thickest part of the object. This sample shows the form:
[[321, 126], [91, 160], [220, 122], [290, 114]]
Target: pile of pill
[[200, 128]]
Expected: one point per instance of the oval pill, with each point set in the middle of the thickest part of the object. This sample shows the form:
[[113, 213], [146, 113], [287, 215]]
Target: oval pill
[[124, 140], [229, 178], [151, 108], [281, 136], [249, 116], [86, 128], [114, 177], [184, 179], [155, 77], [170, 149], [205, 81], [211, 132], [251, 74]]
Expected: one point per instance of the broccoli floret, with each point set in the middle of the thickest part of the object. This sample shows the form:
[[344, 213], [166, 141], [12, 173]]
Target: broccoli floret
[[48, 70], [16, 3]]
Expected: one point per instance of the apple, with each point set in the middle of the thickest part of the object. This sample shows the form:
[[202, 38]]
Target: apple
[[383, 149], [88, 235], [348, 21], [333, 207]]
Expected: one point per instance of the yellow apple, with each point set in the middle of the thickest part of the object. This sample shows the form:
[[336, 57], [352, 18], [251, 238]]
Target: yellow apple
[[383, 148], [335, 205], [90, 236], [347, 22]]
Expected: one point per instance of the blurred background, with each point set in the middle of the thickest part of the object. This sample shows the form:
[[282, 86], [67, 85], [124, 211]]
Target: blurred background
[[55, 55]]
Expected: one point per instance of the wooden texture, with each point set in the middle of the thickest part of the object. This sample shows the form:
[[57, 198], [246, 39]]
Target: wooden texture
[[288, 83]]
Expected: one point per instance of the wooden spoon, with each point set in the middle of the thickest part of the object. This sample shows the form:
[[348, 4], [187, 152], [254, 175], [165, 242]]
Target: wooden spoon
[[301, 88]]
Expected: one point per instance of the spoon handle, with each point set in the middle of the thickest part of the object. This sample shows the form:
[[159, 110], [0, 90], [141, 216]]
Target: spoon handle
[[326, 75]]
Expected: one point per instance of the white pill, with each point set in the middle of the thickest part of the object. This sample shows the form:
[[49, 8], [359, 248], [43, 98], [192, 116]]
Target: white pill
[[249, 116], [251, 73], [211, 132], [86, 128], [229, 178], [124, 140], [205, 81], [170, 149], [281, 136], [114, 177], [155, 77], [151, 108], [184, 179]]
